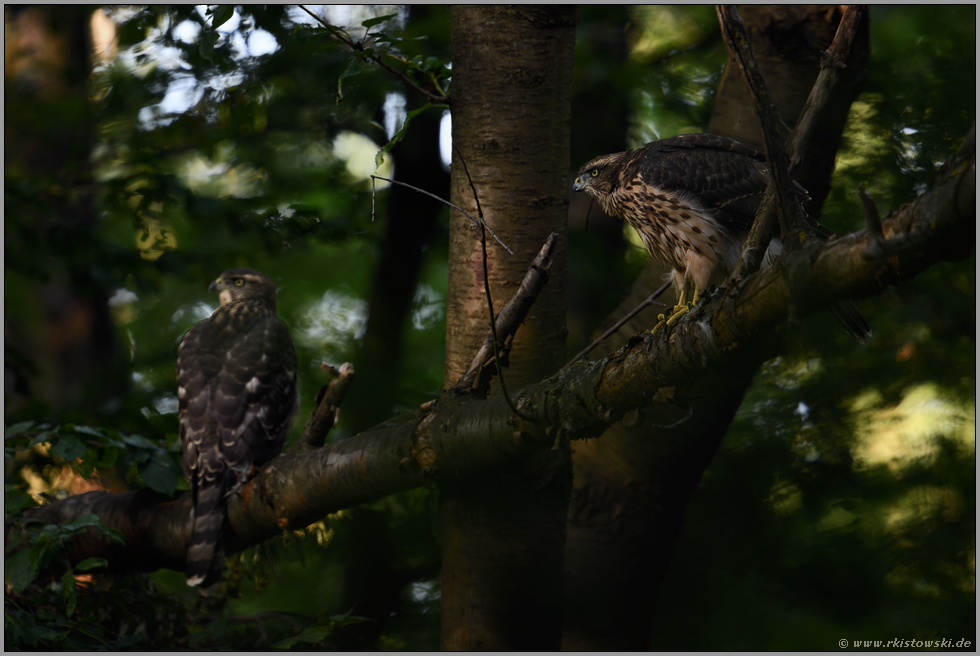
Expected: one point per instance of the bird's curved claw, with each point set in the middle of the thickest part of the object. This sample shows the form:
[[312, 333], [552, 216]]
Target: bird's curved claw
[[661, 322], [679, 311]]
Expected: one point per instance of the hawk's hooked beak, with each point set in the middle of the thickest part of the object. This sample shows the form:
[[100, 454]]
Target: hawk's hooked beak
[[578, 186], [216, 286]]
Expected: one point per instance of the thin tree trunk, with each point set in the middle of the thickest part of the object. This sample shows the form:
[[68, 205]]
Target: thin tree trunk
[[411, 223], [503, 531], [65, 352]]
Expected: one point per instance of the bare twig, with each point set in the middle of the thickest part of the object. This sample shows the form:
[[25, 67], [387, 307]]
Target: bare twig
[[476, 221], [833, 61], [512, 314], [622, 322], [486, 287], [328, 400], [358, 47], [876, 246], [374, 193]]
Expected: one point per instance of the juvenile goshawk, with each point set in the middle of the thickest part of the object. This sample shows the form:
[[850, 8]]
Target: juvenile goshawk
[[692, 199], [236, 392]]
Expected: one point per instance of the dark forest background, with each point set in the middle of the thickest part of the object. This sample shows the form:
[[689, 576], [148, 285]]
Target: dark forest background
[[140, 164]]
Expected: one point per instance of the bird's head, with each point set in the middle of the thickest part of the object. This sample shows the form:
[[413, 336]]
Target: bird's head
[[598, 177], [244, 284]]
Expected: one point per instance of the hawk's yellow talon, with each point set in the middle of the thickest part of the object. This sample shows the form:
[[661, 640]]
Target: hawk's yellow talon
[[679, 311]]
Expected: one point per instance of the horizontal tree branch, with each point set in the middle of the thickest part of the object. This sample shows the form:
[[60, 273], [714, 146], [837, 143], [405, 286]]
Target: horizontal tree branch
[[454, 438]]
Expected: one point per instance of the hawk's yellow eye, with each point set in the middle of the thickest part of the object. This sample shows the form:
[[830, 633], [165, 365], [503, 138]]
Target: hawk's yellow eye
[[595, 172], [239, 282]]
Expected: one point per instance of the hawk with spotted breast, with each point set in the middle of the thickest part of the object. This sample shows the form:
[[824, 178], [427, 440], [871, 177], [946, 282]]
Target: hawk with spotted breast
[[237, 396], [692, 199]]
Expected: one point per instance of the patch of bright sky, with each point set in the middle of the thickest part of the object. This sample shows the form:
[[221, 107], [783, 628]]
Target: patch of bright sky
[[358, 152], [394, 110], [188, 315], [166, 405], [185, 91], [142, 382], [428, 307], [425, 593], [122, 296], [332, 324], [446, 139]]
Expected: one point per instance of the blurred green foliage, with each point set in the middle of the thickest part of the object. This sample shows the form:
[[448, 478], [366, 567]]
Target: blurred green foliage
[[841, 504]]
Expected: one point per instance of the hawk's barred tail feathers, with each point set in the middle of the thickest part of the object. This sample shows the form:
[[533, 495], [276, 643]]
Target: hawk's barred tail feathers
[[205, 552], [851, 320], [844, 312]]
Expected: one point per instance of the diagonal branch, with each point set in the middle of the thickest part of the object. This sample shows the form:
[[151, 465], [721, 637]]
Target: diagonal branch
[[358, 47], [774, 130], [328, 400], [834, 60], [477, 222], [512, 315]]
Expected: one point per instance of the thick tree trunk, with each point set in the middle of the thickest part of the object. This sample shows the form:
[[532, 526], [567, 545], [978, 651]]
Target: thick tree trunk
[[503, 531], [632, 485]]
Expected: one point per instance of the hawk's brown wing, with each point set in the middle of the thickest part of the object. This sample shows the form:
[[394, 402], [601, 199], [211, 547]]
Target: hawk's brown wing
[[725, 176]]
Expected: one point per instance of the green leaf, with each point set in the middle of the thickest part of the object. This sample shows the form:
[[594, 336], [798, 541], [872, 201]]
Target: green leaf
[[107, 457], [379, 157], [15, 499], [313, 634], [40, 438], [353, 68], [49, 634], [91, 563], [19, 427], [91, 519], [68, 592], [111, 533], [18, 570], [67, 447], [161, 473], [87, 464], [139, 441], [371, 22], [88, 430], [208, 39], [39, 551], [220, 15]]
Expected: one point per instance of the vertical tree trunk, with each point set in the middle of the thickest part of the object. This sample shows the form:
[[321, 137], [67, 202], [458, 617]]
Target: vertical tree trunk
[[503, 531], [65, 354], [631, 486]]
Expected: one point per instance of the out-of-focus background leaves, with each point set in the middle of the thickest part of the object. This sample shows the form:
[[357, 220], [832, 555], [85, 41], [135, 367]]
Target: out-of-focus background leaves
[[841, 503]]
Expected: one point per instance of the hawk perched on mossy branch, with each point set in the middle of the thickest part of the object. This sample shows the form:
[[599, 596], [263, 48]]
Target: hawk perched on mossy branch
[[236, 390], [692, 199]]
